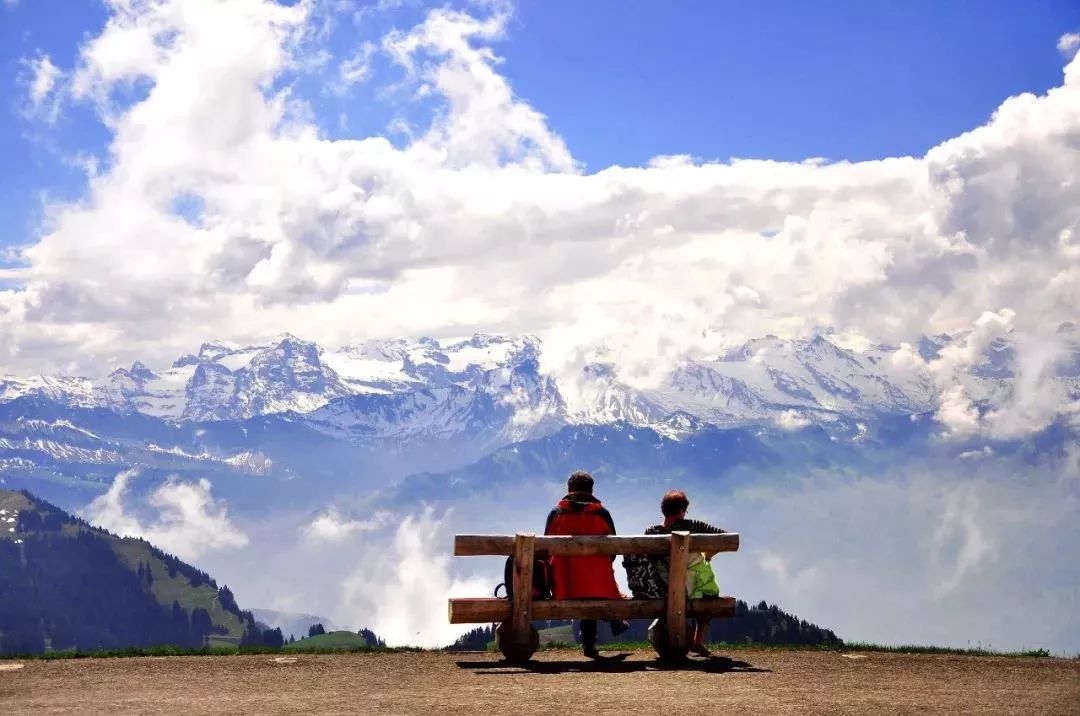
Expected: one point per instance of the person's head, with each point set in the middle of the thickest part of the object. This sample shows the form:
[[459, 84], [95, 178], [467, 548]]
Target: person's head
[[674, 503], [580, 481]]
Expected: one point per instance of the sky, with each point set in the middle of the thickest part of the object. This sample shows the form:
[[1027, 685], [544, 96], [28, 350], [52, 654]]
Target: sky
[[664, 183]]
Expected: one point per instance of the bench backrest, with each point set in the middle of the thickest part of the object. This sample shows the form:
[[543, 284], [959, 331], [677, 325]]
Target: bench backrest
[[479, 545]]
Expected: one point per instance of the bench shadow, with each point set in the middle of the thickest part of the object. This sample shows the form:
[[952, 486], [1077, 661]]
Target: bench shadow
[[615, 664]]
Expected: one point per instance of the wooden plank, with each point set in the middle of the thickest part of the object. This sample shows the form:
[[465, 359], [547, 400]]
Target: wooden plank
[[485, 611], [675, 613], [521, 616], [478, 545]]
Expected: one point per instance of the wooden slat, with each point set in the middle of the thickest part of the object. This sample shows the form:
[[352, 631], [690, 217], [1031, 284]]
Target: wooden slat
[[675, 613], [478, 545], [486, 611], [521, 616]]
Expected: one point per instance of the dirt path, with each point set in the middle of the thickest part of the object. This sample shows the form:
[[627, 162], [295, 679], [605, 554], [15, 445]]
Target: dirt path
[[560, 682]]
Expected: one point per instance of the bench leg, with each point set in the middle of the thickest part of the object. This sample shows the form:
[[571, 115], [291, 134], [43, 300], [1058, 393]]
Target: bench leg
[[517, 639], [661, 642], [675, 642]]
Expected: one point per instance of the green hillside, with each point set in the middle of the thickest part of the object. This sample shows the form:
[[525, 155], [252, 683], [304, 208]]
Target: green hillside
[[67, 585], [178, 587]]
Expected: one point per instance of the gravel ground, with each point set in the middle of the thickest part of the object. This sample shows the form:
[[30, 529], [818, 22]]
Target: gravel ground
[[559, 682]]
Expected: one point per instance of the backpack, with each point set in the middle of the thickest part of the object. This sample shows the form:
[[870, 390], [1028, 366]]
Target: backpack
[[643, 578], [542, 581]]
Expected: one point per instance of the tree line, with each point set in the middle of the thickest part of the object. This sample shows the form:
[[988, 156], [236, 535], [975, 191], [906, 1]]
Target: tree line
[[759, 624]]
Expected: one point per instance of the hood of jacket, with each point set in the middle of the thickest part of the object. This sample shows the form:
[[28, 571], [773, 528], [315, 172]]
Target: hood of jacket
[[580, 502]]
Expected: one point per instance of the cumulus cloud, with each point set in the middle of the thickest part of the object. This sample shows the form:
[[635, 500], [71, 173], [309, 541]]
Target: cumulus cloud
[[484, 220], [189, 521], [1068, 43], [332, 526], [401, 591]]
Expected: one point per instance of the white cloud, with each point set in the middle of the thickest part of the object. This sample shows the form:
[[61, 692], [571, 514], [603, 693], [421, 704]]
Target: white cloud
[[483, 220], [331, 526], [41, 79], [107, 511], [962, 545], [45, 76], [358, 67], [401, 592], [777, 566], [189, 521], [792, 420], [1068, 43]]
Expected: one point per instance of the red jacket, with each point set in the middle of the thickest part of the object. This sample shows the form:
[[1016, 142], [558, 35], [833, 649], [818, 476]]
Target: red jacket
[[590, 577]]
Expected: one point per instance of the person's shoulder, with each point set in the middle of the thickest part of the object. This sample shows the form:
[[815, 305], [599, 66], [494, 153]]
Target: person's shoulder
[[703, 527], [655, 530]]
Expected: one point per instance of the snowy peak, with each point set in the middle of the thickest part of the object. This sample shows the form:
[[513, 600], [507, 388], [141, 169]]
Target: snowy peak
[[288, 375], [216, 349], [381, 350]]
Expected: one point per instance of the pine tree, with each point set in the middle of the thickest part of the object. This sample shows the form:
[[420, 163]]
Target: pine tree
[[273, 638]]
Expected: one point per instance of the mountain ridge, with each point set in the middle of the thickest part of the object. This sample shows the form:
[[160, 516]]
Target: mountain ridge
[[354, 388]]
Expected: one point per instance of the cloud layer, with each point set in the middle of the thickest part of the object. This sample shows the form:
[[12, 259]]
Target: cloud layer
[[222, 210]]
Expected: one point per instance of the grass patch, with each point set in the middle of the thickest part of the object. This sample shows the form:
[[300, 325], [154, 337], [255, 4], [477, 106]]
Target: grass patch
[[839, 648], [324, 648], [198, 651]]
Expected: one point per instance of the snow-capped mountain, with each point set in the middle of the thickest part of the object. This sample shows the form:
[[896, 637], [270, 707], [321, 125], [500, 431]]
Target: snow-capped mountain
[[487, 387], [492, 387], [771, 379]]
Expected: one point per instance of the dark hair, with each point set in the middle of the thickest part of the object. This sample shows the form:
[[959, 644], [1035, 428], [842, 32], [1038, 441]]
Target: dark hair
[[580, 481], [673, 503]]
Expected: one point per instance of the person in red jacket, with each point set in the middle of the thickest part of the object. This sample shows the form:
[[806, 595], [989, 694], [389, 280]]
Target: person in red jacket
[[584, 577]]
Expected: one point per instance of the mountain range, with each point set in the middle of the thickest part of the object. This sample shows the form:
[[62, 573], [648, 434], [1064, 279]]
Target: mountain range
[[289, 411]]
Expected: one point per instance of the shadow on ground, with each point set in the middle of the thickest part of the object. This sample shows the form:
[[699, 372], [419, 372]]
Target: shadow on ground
[[616, 664]]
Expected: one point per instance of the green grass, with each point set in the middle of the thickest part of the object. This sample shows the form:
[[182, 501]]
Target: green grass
[[333, 641], [839, 648], [203, 651]]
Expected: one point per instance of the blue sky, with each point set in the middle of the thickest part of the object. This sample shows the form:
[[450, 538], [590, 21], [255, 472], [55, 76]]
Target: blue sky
[[778, 80], [265, 166]]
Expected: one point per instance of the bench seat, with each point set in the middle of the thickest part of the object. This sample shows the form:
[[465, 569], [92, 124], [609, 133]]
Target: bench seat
[[478, 611]]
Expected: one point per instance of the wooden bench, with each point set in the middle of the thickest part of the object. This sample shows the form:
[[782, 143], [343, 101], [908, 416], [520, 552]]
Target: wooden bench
[[515, 635]]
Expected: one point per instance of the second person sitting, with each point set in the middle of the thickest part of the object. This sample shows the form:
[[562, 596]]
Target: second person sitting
[[700, 580]]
